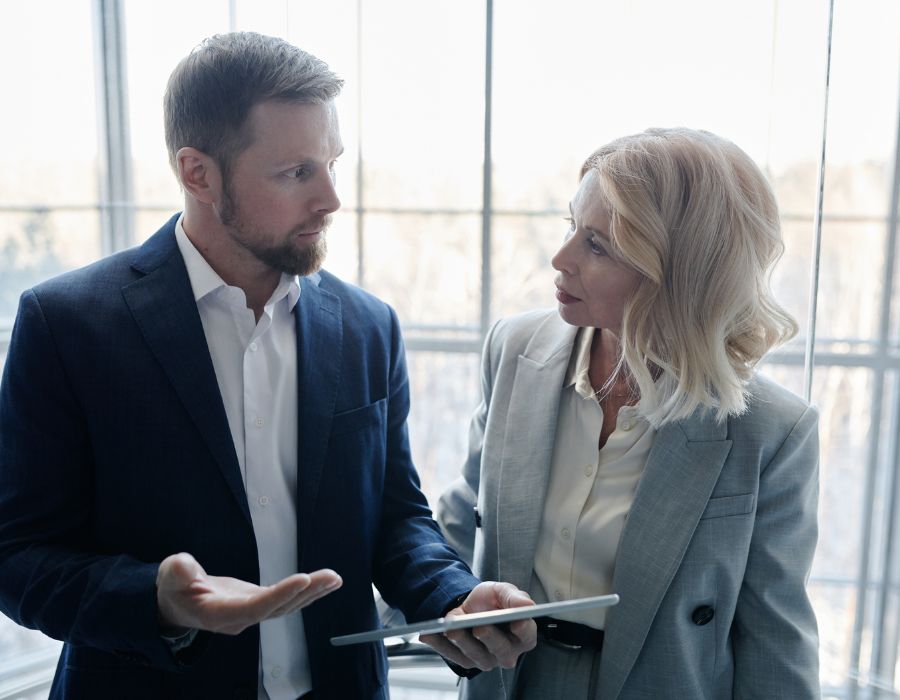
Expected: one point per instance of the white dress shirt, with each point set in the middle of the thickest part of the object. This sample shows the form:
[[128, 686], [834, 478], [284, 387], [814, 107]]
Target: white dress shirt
[[589, 493], [256, 368]]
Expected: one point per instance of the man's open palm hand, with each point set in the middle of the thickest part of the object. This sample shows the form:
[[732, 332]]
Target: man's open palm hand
[[190, 598]]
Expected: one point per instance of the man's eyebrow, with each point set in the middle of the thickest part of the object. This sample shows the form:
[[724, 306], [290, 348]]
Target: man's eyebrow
[[300, 160]]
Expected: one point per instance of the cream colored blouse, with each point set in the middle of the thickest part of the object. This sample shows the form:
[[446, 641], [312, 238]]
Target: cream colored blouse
[[589, 494]]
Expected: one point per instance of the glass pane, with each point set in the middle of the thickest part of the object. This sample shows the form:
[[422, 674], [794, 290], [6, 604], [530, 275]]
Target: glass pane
[[444, 391], [851, 275], [521, 274], [862, 122], [264, 16], [423, 104], [562, 87], [342, 247], [427, 267], [48, 143], [37, 245], [843, 396]]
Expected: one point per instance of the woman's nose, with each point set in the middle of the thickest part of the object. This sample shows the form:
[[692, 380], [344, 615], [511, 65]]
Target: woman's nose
[[563, 260]]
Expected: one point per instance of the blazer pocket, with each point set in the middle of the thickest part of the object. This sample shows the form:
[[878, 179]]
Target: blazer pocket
[[358, 418], [723, 506]]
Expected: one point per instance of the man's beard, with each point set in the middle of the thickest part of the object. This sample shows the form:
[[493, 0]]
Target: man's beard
[[284, 257]]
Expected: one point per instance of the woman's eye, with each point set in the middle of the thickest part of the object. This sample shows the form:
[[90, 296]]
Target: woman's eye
[[299, 173], [571, 227], [596, 248]]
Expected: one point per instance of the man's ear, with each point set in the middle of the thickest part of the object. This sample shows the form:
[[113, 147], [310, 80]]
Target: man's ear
[[200, 175]]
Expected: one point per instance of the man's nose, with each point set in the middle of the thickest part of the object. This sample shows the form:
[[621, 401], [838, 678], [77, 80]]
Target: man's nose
[[327, 201]]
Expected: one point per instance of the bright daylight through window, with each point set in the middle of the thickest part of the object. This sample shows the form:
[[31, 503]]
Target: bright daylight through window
[[453, 198]]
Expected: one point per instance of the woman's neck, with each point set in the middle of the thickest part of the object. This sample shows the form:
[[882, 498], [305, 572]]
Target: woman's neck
[[604, 359]]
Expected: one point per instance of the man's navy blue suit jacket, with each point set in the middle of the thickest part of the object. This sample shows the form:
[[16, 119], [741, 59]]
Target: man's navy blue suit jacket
[[115, 452]]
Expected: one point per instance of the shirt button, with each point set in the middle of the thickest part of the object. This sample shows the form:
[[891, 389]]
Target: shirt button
[[588, 469], [259, 422], [557, 594], [276, 671], [263, 501], [565, 533], [253, 347], [627, 425]]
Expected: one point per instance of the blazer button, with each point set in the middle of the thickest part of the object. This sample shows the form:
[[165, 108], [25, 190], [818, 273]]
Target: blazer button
[[703, 615]]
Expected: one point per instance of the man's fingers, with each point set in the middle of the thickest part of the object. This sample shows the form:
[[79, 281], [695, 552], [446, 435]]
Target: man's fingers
[[318, 587], [305, 589], [511, 597], [525, 632], [497, 643], [472, 649], [447, 649]]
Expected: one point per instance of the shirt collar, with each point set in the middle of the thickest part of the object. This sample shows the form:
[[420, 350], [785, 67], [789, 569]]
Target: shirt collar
[[577, 374], [205, 280]]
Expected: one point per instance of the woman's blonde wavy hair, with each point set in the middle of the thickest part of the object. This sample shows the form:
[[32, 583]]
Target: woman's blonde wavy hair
[[695, 216]]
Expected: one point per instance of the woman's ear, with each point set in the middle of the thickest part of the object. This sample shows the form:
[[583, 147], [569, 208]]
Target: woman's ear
[[200, 175]]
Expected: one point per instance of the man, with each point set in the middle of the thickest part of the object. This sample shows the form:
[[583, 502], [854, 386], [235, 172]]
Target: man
[[186, 426]]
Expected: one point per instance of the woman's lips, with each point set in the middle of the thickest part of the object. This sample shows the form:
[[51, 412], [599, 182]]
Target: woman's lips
[[564, 297]]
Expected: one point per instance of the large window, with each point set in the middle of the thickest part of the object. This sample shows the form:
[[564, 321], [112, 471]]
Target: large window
[[465, 124]]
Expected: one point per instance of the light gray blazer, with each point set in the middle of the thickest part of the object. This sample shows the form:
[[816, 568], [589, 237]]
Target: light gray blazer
[[724, 516]]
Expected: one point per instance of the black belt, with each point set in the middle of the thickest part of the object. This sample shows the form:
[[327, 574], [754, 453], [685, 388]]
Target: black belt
[[569, 635]]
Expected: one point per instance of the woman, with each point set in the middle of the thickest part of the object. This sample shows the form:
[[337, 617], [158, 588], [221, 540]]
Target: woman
[[626, 445]]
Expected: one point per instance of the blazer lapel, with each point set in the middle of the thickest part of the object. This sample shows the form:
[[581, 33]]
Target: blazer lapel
[[681, 471], [162, 303], [528, 447], [319, 360]]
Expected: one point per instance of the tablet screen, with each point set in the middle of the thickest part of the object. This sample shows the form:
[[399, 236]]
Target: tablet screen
[[490, 617]]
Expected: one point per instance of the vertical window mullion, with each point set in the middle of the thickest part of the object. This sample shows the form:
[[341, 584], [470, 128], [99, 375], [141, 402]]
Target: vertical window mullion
[[487, 190], [115, 165]]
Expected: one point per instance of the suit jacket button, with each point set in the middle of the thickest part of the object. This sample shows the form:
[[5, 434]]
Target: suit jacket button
[[703, 615]]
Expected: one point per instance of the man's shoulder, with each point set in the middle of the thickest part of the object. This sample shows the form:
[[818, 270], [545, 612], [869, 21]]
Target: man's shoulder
[[93, 280], [353, 298], [111, 273]]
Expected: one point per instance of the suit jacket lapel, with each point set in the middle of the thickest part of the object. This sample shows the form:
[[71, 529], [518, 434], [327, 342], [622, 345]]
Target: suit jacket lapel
[[681, 471], [528, 447], [162, 303], [319, 361]]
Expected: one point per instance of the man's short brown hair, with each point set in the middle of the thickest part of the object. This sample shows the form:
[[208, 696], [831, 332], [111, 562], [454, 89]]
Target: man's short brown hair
[[212, 90]]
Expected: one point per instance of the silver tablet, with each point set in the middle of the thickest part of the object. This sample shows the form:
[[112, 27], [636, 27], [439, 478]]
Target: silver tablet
[[491, 617]]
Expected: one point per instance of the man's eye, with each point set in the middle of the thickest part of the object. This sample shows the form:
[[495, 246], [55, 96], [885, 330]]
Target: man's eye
[[569, 231], [299, 173]]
